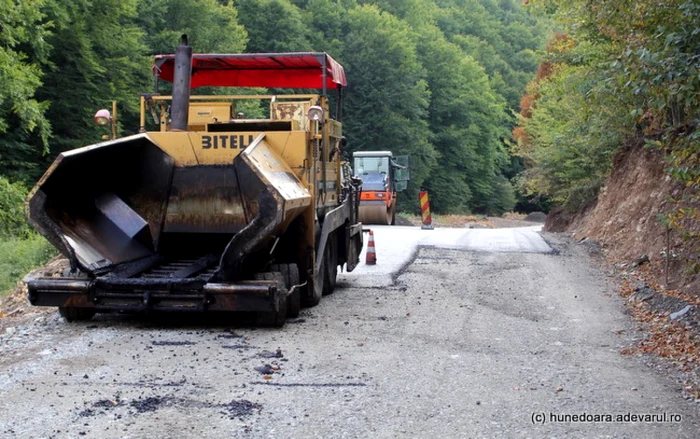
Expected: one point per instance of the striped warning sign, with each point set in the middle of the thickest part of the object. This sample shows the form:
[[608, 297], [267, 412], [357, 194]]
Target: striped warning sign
[[425, 210]]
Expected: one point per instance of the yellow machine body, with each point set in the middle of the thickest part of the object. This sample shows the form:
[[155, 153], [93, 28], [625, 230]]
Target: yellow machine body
[[231, 214]]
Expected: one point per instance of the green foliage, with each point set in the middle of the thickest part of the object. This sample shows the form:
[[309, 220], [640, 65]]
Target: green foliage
[[12, 220], [502, 199], [326, 21], [387, 98], [467, 119], [467, 98], [417, 13], [627, 74], [98, 57], [18, 256], [570, 141], [211, 25], [22, 53], [21, 249], [501, 36], [449, 193], [273, 26]]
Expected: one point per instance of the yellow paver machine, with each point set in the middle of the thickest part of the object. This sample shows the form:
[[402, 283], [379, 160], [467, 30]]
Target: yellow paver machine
[[211, 211]]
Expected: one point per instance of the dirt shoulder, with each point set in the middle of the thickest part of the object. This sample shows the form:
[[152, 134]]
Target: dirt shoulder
[[476, 221], [625, 221], [15, 309], [647, 261], [667, 321]]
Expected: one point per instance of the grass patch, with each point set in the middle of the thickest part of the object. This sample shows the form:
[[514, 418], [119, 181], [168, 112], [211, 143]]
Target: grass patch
[[19, 256]]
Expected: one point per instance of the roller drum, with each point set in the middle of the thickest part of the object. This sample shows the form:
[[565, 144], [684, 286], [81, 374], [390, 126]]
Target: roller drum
[[375, 214]]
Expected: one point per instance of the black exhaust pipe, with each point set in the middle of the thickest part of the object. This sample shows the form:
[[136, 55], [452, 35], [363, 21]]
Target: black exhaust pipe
[[180, 107]]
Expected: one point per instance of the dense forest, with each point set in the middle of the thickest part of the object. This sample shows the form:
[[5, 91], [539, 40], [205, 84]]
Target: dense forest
[[439, 80]]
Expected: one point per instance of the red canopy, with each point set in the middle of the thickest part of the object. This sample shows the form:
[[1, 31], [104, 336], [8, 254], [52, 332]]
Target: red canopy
[[282, 70]]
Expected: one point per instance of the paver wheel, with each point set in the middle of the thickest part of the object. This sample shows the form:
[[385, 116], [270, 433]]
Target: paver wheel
[[330, 265], [290, 273], [73, 314]]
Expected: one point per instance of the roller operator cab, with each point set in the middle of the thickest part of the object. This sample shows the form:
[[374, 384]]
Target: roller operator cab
[[382, 175], [211, 210]]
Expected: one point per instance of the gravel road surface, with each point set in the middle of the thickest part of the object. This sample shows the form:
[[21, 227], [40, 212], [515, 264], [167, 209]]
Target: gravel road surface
[[461, 342]]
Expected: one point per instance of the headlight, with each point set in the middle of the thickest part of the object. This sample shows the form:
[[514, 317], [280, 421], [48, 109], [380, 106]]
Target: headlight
[[102, 117], [315, 113]]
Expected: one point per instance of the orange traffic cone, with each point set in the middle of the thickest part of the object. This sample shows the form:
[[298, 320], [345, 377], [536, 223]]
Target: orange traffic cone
[[371, 258]]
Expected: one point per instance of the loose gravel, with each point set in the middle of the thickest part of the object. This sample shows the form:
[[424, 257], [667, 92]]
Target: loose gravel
[[464, 344]]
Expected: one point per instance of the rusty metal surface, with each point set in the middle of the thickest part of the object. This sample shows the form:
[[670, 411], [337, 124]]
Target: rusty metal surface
[[98, 242], [38, 218], [59, 292], [292, 111], [60, 284], [124, 210], [187, 270], [354, 246], [205, 199]]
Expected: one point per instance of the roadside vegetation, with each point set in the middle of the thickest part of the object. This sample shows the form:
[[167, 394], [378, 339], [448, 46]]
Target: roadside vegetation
[[619, 76], [21, 249]]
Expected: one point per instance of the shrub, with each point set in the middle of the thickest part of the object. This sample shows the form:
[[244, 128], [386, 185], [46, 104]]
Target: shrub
[[12, 220], [19, 256]]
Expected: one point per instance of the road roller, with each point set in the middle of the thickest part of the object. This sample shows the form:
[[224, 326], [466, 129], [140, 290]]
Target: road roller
[[383, 175]]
